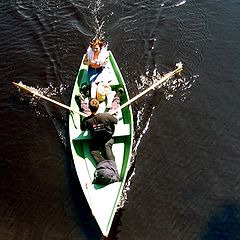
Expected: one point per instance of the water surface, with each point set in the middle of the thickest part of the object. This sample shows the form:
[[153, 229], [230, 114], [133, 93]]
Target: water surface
[[185, 172]]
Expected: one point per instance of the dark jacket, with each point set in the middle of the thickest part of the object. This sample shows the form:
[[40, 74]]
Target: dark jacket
[[100, 125]]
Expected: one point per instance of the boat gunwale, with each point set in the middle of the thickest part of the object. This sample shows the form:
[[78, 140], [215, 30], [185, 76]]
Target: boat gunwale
[[127, 113]]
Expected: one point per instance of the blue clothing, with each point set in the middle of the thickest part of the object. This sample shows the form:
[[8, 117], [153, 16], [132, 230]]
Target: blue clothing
[[93, 73]]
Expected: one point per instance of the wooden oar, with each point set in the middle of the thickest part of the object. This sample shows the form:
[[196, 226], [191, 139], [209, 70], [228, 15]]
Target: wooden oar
[[161, 81], [36, 93]]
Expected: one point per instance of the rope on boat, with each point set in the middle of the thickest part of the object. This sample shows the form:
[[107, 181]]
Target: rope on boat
[[71, 113]]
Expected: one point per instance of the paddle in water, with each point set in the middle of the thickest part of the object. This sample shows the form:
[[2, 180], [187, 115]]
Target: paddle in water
[[164, 79], [36, 93], [152, 87]]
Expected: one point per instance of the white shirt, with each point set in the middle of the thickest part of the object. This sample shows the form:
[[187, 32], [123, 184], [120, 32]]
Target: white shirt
[[101, 57]]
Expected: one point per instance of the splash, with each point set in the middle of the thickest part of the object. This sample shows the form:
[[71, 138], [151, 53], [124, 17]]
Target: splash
[[179, 86], [169, 3], [175, 85], [98, 22], [180, 3], [131, 171], [58, 116]]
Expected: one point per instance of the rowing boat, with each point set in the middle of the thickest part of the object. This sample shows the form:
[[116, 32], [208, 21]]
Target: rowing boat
[[102, 199]]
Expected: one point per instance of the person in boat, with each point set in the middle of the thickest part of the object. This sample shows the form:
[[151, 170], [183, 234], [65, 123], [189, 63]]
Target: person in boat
[[101, 127], [96, 58]]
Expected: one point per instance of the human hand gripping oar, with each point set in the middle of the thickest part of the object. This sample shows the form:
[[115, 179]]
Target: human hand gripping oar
[[161, 81], [36, 93]]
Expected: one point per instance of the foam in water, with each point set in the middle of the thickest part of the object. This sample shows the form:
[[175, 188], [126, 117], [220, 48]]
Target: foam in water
[[95, 7], [169, 3], [180, 3], [173, 86], [54, 116]]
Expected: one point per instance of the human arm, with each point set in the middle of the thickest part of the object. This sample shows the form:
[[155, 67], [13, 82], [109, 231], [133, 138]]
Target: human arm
[[113, 118], [83, 125], [85, 60], [104, 62]]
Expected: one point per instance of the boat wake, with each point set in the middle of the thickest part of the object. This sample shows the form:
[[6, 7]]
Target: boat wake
[[187, 44], [97, 22], [169, 3], [151, 65], [178, 86]]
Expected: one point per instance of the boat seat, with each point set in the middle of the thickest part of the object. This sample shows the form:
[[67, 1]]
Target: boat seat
[[120, 130], [113, 81]]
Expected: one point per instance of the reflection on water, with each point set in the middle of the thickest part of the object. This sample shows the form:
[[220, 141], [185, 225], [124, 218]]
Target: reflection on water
[[224, 223]]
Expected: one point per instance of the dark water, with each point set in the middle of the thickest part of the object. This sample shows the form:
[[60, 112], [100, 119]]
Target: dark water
[[185, 180]]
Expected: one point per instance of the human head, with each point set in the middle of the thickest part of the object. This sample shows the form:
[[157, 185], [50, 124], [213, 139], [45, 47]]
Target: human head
[[96, 44], [93, 105]]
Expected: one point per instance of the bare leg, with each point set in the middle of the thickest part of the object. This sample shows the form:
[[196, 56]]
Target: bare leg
[[115, 103], [93, 90], [110, 98]]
